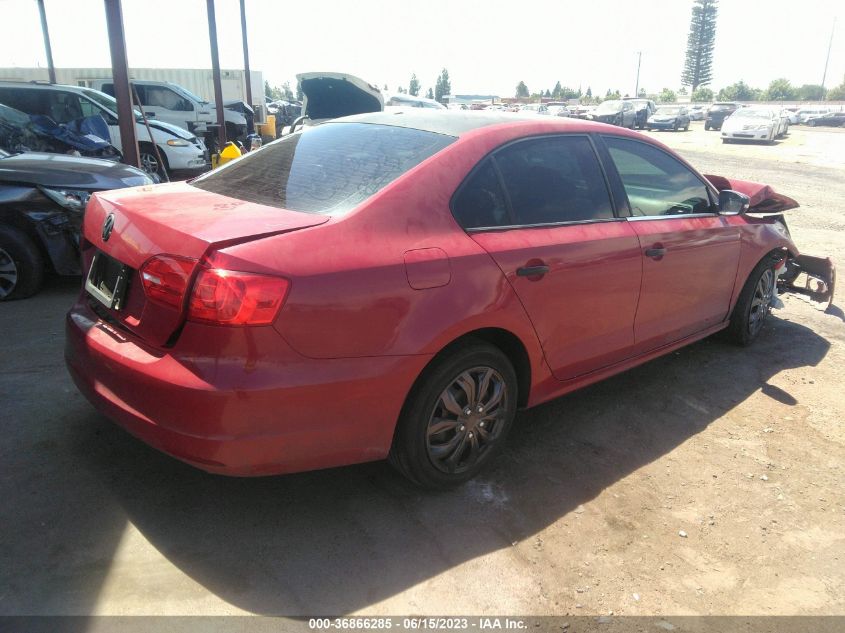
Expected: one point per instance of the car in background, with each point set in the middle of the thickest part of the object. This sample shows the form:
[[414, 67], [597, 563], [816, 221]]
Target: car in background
[[615, 112], [644, 108], [580, 111], [179, 149], [669, 118], [397, 284], [792, 115], [42, 203], [697, 112], [409, 101], [557, 108], [534, 108], [178, 106], [755, 123], [718, 112], [811, 111], [20, 132], [831, 119]]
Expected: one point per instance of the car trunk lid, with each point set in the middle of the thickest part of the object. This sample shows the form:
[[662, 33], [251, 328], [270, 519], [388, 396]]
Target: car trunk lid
[[131, 226]]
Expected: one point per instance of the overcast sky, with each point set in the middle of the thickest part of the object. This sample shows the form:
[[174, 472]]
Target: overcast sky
[[487, 46]]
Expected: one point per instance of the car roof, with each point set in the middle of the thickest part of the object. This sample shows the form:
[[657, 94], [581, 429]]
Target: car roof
[[39, 85], [460, 122]]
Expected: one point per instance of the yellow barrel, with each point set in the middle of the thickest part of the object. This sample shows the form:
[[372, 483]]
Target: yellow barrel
[[229, 152]]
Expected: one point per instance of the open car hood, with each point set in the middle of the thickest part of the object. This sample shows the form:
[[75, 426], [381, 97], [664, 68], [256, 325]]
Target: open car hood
[[764, 199], [334, 95]]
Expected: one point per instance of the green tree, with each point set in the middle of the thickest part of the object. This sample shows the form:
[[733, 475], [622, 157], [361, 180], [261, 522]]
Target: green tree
[[837, 93], [702, 94], [642, 93], [740, 91], [299, 93], [683, 91], [430, 94], [268, 91], [286, 92], [781, 90], [809, 92], [442, 86], [414, 85], [698, 66], [556, 93], [667, 96], [522, 90]]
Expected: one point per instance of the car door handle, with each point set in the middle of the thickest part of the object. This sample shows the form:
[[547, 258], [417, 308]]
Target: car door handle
[[655, 252], [532, 271]]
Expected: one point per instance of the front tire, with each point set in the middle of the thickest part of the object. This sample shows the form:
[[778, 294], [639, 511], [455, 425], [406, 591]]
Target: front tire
[[21, 265], [457, 417], [150, 162], [753, 304]]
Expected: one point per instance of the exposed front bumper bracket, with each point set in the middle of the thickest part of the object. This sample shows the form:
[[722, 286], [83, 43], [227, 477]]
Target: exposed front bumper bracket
[[814, 277]]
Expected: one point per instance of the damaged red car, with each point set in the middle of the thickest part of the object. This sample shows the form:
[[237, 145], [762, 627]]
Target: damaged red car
[[397, 285]]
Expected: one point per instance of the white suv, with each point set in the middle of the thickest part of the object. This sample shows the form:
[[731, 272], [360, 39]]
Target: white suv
[[179, 149], [176, 105]]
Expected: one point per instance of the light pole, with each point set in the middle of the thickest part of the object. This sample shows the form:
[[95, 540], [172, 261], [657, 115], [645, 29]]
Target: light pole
[[827, 59], [639, 61]]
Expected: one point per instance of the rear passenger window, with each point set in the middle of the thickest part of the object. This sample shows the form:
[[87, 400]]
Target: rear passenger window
[[480, 202], [554, 179], [656, 183]]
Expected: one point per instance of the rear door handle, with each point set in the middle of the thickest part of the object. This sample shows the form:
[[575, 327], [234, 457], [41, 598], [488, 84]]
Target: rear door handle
[[532, 271], [655, 252]]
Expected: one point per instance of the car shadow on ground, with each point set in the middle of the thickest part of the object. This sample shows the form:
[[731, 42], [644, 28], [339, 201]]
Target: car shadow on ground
[[339, 540]]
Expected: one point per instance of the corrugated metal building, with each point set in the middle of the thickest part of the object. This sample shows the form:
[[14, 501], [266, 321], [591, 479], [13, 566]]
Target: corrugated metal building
[[197, 80]]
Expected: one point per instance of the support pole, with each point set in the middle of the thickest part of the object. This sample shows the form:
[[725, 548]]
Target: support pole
[[215, 71], [246, 55], [51, 70], [120, 76], [827, 59], [639, 61]]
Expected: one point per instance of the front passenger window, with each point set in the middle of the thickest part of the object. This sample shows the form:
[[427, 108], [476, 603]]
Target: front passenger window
[[656, 183]]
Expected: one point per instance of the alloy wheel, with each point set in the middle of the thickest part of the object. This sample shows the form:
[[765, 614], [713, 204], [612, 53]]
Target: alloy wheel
[[467, 419], [761, 301], [149, 163], [8, 274]]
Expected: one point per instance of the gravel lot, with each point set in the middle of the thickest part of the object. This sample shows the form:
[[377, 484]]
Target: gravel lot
[[706, 482]]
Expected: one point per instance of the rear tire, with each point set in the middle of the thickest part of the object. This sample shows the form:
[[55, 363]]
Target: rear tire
[[21, 265], [706, 127], [752, 306], [456, 417]]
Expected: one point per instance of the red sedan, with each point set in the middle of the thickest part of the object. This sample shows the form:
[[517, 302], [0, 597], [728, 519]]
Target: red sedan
[[399, 284]]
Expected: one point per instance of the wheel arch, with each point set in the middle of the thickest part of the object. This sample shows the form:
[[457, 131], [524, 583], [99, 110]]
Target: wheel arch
[[506, 341]]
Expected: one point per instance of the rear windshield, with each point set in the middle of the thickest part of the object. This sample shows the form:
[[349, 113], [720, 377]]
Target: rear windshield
[[330, 168]]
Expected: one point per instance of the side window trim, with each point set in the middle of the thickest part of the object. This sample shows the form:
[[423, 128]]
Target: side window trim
[[711, 191], [492, 155]]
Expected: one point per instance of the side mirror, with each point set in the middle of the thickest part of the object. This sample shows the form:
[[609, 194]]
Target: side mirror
[[733, 202]]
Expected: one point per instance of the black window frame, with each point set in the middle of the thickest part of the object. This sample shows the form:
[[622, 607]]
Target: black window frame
[[491, 156], [713, 194]]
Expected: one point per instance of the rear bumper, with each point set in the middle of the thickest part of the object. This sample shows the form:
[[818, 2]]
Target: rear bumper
[[248, 410]]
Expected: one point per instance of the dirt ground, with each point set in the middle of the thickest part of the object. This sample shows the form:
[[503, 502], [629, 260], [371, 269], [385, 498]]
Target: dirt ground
[[709, 481]]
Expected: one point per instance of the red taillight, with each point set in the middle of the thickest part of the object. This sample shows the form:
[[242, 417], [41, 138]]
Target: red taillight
[[227, 297], [165, 279]]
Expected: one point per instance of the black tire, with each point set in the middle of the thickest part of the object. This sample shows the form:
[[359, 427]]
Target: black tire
[[706, 127], [150, 162], [422, 454], [21, 265], [686, 127], [811, 123], [749, 313]]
